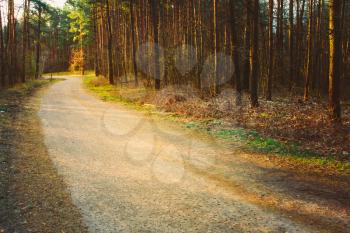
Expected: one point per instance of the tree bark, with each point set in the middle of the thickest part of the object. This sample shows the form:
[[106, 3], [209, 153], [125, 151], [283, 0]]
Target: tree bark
[[247, 38], [2, 55], [133, 38], [309, 53], [235, 51], [155, 21], [270, 70], [38, 45], [109, 44], [254, 62], [291, 43], [334, 59], [25, 38]]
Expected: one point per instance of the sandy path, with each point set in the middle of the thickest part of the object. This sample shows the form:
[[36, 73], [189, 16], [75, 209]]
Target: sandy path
[[128, 174]]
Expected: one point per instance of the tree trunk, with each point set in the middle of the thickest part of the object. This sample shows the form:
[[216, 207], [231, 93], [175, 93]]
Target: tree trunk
[[25, 38], [235, 51], [246, 72], [155, 21], [133, 37], [270, 70], [2, 55], [291, 43], [11, 43], [215, 48], [254, 62], [96, 44], [109, 44], [38, 45], [309, 53], [334, 59]]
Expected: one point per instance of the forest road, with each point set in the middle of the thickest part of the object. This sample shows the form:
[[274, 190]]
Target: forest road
[[127, 172]]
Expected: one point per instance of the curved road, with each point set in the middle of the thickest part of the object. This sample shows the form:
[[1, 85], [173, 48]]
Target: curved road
[[128, 173]]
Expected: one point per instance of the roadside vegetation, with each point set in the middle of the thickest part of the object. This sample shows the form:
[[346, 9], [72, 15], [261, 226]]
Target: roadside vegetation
[[259, 139]]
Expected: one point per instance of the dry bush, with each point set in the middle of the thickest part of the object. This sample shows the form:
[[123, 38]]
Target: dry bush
[[99, 81], [284, 118]]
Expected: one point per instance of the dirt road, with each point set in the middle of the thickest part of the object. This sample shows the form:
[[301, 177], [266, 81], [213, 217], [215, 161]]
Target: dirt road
[[128, 173]]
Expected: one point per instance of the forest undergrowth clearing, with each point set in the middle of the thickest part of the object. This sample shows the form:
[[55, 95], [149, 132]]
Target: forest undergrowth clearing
[[301, 132]]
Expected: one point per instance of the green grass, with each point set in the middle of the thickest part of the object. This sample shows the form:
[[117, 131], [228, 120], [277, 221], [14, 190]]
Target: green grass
[[252, 141], [68, 73]]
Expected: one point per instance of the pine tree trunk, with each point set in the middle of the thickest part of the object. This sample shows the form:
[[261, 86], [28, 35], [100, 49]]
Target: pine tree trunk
[[291, 43], [334, 59], [96, 44], [133, 38], [235, 51], [271, 55], [247, 38], [109, 44], [155, 21], [309, 53], [38, 45], [25, 38], [254, 62], [2, 55]]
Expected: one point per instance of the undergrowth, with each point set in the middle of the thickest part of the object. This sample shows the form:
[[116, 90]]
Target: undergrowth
[[252, 141]]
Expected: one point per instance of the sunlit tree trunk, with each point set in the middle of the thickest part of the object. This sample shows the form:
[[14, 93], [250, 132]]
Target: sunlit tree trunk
[[11, 43], [2, 55], [155, 22], [334, 58]]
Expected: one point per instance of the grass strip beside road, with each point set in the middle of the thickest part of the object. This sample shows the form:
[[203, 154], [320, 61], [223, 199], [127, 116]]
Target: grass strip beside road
[[252, 141]]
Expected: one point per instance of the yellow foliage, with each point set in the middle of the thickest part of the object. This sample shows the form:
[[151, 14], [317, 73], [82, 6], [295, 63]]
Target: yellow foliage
[[76, 60]]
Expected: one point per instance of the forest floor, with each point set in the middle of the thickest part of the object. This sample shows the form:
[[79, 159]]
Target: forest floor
[[33, 197], [293, 133]]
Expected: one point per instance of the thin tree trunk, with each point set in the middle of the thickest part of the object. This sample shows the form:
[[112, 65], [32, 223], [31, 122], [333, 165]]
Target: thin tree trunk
[[309, 54], [25, 38], [254, 57], [2, 55], [155, 21], [96, 44], [291, 43], [270, 74], [38, 45], [132, 19], [109, 44], [334, 59], [11, 52], [215, 48], [235, 51], [247, 37]]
